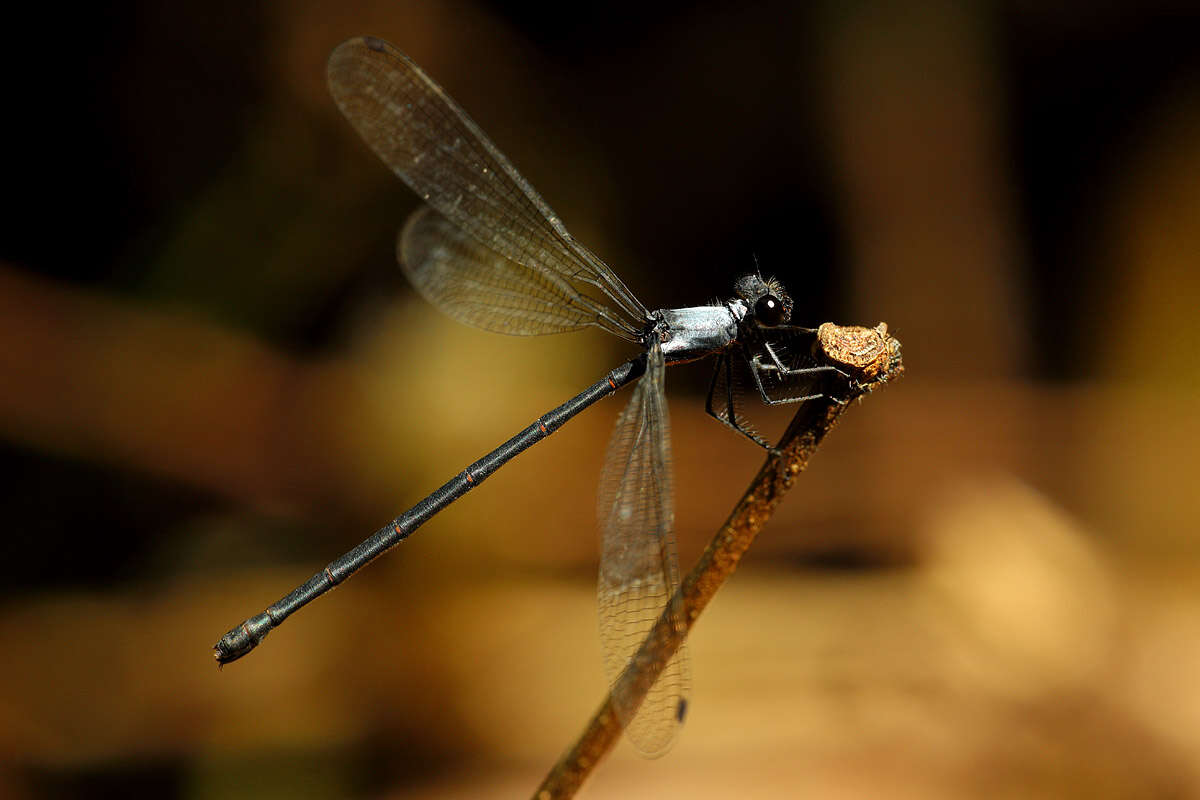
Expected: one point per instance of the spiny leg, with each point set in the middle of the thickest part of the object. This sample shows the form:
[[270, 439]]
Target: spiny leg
[[777, 365], [726, 363], [757, 368]]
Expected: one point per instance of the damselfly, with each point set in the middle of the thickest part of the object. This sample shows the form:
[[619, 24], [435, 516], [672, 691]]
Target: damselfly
[[487, 250]]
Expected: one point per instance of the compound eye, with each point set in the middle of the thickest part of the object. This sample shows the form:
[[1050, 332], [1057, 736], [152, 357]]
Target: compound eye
[[769, 310]]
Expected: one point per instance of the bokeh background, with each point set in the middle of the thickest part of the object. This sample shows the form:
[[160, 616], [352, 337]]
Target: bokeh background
[[213, 379]]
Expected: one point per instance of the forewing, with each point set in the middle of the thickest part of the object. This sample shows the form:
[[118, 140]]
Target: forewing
[[480, 287], [639, 570], [433, 146]]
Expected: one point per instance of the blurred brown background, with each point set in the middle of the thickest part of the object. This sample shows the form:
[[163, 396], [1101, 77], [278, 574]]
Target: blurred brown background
[[213, 379]]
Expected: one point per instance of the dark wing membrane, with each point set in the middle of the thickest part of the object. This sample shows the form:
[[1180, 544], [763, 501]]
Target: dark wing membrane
[[480, 287], [434, 147], [639, 572]]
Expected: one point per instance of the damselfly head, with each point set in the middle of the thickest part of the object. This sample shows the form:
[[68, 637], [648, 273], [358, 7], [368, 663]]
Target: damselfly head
[[770, 305]]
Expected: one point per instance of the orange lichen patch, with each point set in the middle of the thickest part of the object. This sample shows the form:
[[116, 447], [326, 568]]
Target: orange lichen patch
[[866, 352]]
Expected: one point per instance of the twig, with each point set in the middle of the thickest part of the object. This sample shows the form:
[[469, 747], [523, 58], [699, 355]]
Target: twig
[[871, 357]]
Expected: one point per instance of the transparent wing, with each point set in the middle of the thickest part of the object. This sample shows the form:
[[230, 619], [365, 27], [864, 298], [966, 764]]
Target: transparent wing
[[430, 142], [480, 287], [639, 572]]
